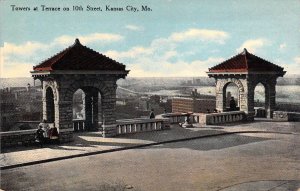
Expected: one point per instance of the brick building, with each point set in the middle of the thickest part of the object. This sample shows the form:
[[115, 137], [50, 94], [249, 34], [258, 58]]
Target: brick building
[[182, 104]]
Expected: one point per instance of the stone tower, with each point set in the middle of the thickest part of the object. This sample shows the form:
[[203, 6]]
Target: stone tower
[[246, 70], [79, 67]]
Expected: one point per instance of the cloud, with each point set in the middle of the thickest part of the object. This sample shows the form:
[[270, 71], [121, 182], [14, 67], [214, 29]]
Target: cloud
[[291, 68], [282, 46], [16, 60], [16, 69], [26, 48], [176, 69], [134, 27], [90, 38], [297, 60], [253, 45], [131, 53], [200, 34], [162, 57]]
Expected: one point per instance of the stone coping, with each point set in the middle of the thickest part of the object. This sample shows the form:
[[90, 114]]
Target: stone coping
[[140, 121], [20, 132]]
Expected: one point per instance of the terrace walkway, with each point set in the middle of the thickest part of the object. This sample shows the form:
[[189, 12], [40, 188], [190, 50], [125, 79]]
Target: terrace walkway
[[263, 155], [91, 143]]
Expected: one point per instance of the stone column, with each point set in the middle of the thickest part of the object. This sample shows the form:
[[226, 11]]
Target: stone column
[[88, 110], [249, 109], [64, 114], [63, 120], [220, 97], [108, 111], [95, 110], [270, 100], [44, 106]]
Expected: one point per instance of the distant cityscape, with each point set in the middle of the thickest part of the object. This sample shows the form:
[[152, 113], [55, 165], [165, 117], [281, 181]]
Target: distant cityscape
[[21, 99]]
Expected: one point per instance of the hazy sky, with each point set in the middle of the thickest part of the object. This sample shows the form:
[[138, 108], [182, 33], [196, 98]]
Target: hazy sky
[[176, 38]]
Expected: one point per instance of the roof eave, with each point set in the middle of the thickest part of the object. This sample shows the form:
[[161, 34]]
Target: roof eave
[[70, 72]]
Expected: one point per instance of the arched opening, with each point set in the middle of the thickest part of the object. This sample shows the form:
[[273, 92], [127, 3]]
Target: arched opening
[[87, 109], [260, 100], [231, 97], [49, 105], [78, 105]]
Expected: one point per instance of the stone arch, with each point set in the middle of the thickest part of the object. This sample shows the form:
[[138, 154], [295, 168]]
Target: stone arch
[[237, 97], [65, 76], [93, 115], [50, 108], [221, 85], [270, 94], [235, 81], [53, 85]]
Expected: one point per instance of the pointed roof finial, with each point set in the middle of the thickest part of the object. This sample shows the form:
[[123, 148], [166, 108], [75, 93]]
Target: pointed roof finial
[[77, 41], [244, 51]]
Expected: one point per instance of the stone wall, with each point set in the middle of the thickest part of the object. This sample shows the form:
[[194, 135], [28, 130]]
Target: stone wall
[[27, 137], [286, 116], [246, 84], [17, 138]]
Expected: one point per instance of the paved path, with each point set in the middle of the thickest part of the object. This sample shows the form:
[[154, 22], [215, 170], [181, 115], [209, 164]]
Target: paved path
[[91, 142], [246, 161]]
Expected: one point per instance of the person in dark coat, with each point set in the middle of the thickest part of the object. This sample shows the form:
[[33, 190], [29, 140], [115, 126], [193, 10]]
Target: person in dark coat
[[40, 136], [152, 116], [232, 104], [53, 135]]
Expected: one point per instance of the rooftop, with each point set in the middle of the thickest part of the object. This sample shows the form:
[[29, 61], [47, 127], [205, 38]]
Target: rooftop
[[246, 62], [79, 57]]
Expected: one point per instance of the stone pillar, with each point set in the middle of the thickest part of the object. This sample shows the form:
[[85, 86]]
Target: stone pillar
[[95, 110], [64, 120], [88, 110], [44, 106], [249, 110], [270, 100], [220, 101], [108, 111]]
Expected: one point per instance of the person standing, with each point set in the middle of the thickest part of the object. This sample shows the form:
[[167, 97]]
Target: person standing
[[40, 135], [152, 116], [232, 104], [45, 127]]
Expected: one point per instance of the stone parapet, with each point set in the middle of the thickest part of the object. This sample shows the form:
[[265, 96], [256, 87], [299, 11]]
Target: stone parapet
[[66, 136], [15, 138], [127, 126], [286, 116], [27, 137], [109, 130]]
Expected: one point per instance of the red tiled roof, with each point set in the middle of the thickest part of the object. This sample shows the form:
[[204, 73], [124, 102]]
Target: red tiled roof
[[245, 62], [79, 57]]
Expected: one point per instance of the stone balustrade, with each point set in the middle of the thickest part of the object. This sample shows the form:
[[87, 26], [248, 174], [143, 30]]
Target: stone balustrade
[[286, 116], [207, 118], [181, 117], [79, 125], [175, 117], [260, 112], [222, 118], [126, 126]]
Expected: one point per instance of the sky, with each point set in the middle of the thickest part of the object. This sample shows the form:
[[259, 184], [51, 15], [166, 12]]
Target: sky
[[175, 38]]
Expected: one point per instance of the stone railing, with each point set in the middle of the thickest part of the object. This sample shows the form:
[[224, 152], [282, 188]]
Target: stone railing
[[14, 138], [260, 112], [181, 117], [286, 116], [79, 125], [126, 126], [220, 118], [206, 118], [175, 117]]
